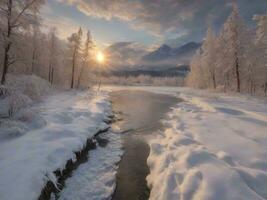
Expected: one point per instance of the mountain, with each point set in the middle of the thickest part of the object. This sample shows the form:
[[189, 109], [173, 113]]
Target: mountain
[[165, 53], [162, 52]]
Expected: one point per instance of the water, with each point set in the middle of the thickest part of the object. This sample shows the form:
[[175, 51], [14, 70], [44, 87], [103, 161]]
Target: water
[[139, 115]]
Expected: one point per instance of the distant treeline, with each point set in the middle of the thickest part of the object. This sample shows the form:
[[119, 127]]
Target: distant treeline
[[137, 80]]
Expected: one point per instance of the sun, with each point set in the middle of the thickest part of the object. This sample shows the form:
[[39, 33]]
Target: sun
[[100, 57]]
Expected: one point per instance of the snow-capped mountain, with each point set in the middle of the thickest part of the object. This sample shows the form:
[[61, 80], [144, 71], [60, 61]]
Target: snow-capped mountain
[[180, 54]]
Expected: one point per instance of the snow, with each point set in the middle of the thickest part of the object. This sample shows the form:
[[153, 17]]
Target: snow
[[40, 139], [95, 179], [20, 92], [213, 147]]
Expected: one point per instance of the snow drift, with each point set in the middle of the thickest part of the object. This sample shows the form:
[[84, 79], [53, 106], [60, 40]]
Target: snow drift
[[213, 147]]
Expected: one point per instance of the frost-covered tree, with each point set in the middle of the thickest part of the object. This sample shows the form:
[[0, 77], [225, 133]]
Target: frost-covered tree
[[86, 56], [196, 76], [223, 60], [16, 15], [35, 40], [208, 58], [261, 51], [75, 47], [53, 54], [232, 42]]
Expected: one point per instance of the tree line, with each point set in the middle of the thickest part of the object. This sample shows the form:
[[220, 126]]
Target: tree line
[[233, 60], [26, 49]]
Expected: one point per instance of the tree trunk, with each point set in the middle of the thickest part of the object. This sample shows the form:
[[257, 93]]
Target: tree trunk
[[49, 72], [214, 81], [237, 73], [7, 48], [5, 64], [33, 61], [52, 76], [73, 67]]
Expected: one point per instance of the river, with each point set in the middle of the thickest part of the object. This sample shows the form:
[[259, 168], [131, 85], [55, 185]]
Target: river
[[138, 116]]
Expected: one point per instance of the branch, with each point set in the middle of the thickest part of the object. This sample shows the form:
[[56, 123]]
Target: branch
[[14, 60], [3, 9], [23, 10], [16, 25]]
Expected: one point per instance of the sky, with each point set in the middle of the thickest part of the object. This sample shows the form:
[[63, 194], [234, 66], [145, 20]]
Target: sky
[[146, 22]]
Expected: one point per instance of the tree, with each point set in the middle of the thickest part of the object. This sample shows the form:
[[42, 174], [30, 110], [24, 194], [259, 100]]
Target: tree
[[35, 32], [261, 50], [17, 15], [196, 76], [86, 55], [208, 58], [53, 53], [231, 38], [75, 46]]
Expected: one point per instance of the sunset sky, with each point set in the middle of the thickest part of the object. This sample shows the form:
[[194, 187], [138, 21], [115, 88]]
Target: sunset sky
[[148, 22]]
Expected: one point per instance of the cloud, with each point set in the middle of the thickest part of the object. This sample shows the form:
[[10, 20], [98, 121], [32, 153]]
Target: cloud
[[59, 22], [125, 54], [162, 17]]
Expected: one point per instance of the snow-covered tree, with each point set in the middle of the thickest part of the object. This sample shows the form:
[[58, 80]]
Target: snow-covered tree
[[53, 54], [86, 56], [261, 51], [208, 58], [196, 76], [75, 47], [232, 42], [16, 15], [35, 40]]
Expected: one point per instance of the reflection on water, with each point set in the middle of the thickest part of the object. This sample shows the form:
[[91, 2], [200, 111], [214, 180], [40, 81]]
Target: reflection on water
[[139, 113]]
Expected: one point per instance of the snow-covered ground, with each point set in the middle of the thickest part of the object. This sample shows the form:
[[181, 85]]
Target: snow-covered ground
[[213, 147], [95, 179], [54, 129]]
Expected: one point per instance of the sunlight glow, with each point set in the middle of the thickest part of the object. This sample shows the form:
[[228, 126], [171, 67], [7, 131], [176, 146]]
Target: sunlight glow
[[100, 57]]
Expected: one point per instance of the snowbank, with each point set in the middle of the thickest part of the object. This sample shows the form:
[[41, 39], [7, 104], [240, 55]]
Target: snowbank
[[19, 93], [213, 147], [96, 178], [54, 130], [30, 85]]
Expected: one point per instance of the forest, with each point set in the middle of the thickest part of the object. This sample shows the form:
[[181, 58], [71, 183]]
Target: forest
[[235, 59], [27, 47]]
